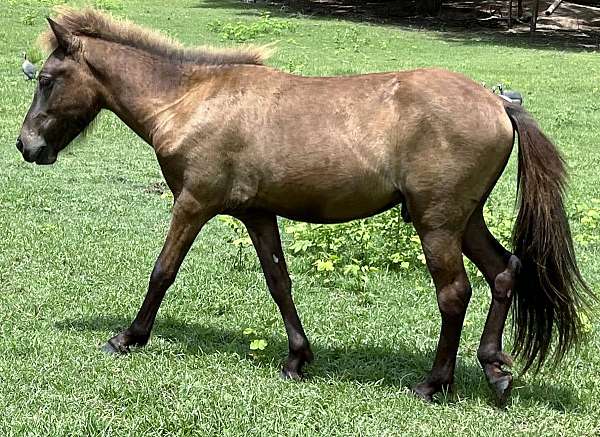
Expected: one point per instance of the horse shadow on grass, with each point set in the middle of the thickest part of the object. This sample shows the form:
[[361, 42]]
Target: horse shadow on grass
[[399, 367]]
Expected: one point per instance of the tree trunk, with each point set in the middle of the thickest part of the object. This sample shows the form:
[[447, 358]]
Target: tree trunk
[[536, 8], [430, 7], [520, 8]]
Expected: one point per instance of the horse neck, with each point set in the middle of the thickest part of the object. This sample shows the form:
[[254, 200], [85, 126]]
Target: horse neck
[[136, 85]]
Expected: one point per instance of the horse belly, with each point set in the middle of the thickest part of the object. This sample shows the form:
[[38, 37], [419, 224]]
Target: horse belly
[[359, 205], [328, 204]]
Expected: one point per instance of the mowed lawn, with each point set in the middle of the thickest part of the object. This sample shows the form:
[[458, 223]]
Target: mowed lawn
[[78, 241]]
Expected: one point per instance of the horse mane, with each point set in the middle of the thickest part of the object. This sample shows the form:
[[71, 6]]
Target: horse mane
[[92, 23]]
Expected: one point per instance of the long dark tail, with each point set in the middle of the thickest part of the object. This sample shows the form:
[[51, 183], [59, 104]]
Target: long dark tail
[[550, 292]]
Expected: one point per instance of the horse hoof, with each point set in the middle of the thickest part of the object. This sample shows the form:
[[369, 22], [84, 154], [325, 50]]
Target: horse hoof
[[291, 374], [502, 388], [114, 349], [423, 391]]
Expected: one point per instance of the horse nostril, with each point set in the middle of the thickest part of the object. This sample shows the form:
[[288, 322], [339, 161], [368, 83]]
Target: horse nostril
[[20, 145]]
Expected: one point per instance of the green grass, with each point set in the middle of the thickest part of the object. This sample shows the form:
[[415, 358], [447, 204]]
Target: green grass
[[78, 240]]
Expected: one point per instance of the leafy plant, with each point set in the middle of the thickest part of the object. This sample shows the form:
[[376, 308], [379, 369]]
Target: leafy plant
[[239, 239], [294, 66], [109, 5], [242, 31], [358, 249], [256, 344], [587, 214], [29, 18], [349, 38]]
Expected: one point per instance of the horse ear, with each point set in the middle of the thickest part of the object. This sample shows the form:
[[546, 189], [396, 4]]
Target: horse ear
[[65, 39]]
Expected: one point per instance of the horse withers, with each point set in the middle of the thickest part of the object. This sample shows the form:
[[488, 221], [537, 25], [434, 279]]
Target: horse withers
[[233, 136]]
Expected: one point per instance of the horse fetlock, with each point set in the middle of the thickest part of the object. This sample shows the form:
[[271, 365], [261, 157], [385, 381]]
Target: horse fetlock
[[297, 358], [305, 354], [299, 346], [493, 356], [137, 338]]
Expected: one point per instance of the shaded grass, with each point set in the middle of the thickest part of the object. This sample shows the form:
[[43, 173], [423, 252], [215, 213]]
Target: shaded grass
[[78, 240]]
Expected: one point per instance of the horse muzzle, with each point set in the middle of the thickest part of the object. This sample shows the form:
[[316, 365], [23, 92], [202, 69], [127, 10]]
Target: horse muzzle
[[36, 151]]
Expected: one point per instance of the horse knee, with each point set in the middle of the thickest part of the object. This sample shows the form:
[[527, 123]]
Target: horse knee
[[454, 298], [162, 275]]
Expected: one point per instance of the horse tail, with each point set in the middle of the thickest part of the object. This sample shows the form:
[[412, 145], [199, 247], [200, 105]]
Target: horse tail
[[550, 293]]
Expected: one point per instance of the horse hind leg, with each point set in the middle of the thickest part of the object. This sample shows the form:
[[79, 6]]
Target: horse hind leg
[[499, 268], [442, 249]]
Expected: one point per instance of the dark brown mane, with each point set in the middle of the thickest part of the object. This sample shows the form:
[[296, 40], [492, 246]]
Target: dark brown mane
[[91, 23]]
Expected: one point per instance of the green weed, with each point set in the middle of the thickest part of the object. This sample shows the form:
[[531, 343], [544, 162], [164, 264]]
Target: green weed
[[242, 31], [109, 5]]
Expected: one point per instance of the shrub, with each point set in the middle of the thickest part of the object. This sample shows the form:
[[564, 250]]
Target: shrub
[[242, 31], [355, 250]]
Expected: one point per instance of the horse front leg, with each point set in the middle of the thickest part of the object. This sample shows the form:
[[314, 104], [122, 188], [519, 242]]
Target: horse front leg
[[188, 217], [264, 233]]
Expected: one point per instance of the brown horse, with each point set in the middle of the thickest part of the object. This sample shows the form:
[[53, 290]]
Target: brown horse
[[233, 136]]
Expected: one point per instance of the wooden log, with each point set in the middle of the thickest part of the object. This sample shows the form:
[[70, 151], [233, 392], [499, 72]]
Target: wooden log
[[553, 7]]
